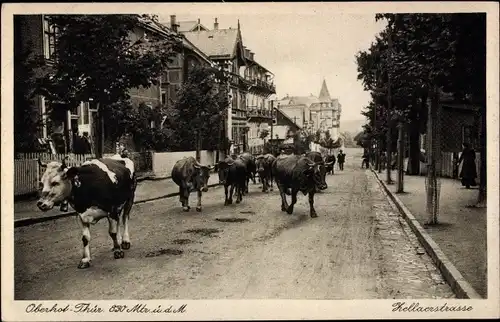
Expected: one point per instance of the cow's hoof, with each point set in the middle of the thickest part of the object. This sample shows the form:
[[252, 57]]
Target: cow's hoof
[[198, 209], [125, 245], [283, 208], [272, 189], [289, 210], [83, 265], [238, 201], [118, 254], [230, 202], [226, 203], [185, 209], [314, 215]]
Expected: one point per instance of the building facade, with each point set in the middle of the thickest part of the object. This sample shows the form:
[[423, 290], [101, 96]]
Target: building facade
[[314, 113], [33, 32], [250, 84]]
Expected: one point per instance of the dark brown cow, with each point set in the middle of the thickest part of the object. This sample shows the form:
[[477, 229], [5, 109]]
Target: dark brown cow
[[233, 175], [249, 161], [297, 173], [264, 165], [190, 175]]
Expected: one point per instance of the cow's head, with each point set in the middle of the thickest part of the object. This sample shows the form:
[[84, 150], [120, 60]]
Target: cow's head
[[202, 173], [315, 173], [56, 184], [259, 163], [223, 169]]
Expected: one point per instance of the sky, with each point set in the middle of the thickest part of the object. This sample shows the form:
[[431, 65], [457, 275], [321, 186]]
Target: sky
[[302, 50]]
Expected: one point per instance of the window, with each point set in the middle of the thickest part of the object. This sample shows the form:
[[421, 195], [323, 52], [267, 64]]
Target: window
[[172, 92], [83, 114], [174, 76], [49, 39], [86, 113], [234, 100]]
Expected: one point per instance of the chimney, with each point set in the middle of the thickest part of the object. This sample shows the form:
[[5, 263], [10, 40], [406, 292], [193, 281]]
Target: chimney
[[251, 55], [173, 23], [216, 25]]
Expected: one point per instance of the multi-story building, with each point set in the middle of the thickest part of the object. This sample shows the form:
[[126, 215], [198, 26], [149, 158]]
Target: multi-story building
[[314, 113], [34, 32], [250, 83]]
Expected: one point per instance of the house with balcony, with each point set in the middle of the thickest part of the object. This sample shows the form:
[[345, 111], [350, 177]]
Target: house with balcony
[[250, 83], [35, 33], [315, 113]]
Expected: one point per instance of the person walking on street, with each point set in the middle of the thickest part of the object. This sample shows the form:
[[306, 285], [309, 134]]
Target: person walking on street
[[341, 160], [468, 174], [365, 160]]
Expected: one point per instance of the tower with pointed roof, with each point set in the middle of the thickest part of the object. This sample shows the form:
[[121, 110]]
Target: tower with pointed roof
[[315, 113]]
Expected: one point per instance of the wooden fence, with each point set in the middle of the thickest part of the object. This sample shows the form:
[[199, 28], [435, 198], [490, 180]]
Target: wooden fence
[[447, 165], [27, 172]]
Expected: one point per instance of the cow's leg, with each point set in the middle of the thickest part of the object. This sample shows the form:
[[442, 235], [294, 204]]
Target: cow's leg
[[231, 191], [90, 216], [263, 181], [239, 194], [181, 196], [247, 184], [226, 191], [294, 201], [284, 204], [126, 216], [113, 233], [186, 199], [312, 211], [198, 207], [85, 227]]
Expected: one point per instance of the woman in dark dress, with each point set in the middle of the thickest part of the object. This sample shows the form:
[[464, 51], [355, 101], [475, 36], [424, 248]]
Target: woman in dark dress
[[468, 174]]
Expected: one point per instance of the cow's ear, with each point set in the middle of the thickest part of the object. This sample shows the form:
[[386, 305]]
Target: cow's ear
[[71, 172]]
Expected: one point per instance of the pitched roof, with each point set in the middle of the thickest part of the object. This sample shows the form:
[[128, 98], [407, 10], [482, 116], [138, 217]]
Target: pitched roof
[[287, 117], [219, 42], [324, 95], [299, 100]]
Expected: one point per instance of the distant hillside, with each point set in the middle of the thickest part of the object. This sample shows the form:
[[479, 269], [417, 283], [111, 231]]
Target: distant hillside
[[351, 126]]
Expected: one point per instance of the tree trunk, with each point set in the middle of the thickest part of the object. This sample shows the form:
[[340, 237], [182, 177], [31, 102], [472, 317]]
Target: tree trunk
[[198, 146], [401, 151], [433, 158], [414, 137], [100, 132], [481, 199], [389, 155]]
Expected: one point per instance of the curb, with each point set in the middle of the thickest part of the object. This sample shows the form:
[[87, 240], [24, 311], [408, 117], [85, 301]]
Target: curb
[[35, 220], [458, 284]]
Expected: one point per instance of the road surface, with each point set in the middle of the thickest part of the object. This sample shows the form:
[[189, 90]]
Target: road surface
[[358, 248]]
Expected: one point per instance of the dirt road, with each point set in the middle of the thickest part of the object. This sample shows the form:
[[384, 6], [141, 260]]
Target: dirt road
[[358, 248]]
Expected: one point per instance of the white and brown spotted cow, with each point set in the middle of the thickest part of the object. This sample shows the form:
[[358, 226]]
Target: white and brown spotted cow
[[98, 188]]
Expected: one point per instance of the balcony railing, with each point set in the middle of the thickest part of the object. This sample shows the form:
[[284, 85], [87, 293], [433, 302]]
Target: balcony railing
[[258, 113], [260, 83]]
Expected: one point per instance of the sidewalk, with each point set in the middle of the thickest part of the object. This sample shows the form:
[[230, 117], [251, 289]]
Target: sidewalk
[[461, 233], [147, 189]]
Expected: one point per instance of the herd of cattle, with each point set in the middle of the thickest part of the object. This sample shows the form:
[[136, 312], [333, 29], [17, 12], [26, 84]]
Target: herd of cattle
[[106, 187]]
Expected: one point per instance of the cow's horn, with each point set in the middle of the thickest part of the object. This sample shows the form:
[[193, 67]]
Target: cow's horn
[[211, 167], [40, 163], [64, 165], [230, 162]]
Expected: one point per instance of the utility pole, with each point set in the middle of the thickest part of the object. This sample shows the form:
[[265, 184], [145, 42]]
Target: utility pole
[[389, 110]]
